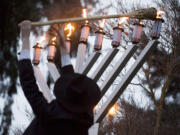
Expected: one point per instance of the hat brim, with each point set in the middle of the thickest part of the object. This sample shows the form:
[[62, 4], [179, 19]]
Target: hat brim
[[92, 95]]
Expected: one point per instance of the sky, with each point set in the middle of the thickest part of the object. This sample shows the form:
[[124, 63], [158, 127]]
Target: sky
[[20, 103]]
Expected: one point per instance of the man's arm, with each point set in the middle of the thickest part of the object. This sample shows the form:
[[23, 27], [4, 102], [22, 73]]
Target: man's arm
[[28, 82]]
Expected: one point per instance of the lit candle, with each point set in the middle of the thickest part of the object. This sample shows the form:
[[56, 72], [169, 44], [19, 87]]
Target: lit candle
[[37, 53], [68, 44], [99, 37], [51, 49], [137, 32], [69, 28], [113, 110], [156, 28], [118, 33], [85, 28]]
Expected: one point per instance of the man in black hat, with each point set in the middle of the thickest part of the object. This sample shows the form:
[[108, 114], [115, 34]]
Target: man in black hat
[[71, 113]]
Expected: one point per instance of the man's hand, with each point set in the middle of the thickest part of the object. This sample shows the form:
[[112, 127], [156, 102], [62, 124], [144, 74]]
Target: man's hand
[[61, 41], [25, 27]]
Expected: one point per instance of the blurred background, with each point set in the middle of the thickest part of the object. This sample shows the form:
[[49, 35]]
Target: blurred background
[[150, 104]]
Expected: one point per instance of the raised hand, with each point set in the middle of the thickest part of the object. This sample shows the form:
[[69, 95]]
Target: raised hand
[[25, 28]]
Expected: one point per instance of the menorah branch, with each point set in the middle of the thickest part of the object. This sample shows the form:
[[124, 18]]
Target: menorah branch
[[148, 13]]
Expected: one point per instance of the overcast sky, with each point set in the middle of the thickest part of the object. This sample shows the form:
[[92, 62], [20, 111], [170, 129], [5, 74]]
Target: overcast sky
[[20, 103]]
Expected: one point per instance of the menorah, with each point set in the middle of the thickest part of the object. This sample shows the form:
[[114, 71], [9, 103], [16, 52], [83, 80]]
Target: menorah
[[84, 67]]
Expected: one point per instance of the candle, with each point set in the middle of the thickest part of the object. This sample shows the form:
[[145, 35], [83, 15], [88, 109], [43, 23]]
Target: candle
[[85, 28], [137, 32], [117, 36], [70, 28], [68, 44], [37, 53], [99, 37], [51, 49], [156, 28]]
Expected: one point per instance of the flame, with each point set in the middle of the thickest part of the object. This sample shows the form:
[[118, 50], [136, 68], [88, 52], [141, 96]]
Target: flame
[[84, 14], [42, 38], [54, 39], [113, 111], [140, 22], [70, 28], [95, 108], [102, 23], [123, 19], [159, 13]]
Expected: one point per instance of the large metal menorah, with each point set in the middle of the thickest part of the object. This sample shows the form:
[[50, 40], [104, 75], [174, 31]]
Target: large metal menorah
[[84, 67]]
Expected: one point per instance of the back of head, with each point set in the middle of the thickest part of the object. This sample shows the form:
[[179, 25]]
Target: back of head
[[77, 94]]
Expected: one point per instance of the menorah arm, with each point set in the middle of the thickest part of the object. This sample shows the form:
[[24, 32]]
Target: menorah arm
[[148, 13]]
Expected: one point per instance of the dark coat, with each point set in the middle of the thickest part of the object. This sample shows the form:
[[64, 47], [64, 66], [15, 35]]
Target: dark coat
[[50, 118]]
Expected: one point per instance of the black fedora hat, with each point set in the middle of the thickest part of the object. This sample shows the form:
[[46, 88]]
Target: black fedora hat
[[77, 93]]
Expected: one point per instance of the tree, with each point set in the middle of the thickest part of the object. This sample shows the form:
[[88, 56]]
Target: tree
[[161, 71], [133, 120]]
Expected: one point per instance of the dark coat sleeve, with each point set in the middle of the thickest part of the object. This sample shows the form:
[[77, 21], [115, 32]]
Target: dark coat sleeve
[[28, 82]]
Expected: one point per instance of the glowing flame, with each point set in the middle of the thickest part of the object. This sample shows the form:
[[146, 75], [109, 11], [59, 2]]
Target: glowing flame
[[159, 13], [102, 23], [53, 40], [42, 38], [95, 108], [123, 19], [70, 28], [84, 14], [140, 22], [113, 111]]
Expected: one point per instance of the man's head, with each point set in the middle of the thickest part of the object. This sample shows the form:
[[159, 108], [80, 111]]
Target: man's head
[[77, 93]]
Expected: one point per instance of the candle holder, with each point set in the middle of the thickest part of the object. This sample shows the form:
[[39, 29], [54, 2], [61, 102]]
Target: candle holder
[[68, 44], [156, 28], [99, 38], [37, 53], [117, 36], [51, 50], [85, 29], [137, 32]]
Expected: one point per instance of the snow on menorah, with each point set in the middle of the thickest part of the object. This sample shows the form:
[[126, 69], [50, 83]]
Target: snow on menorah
[[84, 67]]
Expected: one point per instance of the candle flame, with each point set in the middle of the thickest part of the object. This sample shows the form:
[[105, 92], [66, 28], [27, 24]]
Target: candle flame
[[84, 14], [113, 111], [70, 28], [42, 38], [102, 23], [95, 108], [159, 13], [53, 40], [140, 22], [123, 20]]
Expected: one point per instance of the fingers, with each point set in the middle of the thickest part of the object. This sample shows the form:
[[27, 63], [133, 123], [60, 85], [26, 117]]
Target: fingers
[[25, 28], [25, 24]]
